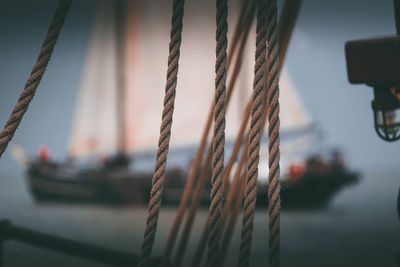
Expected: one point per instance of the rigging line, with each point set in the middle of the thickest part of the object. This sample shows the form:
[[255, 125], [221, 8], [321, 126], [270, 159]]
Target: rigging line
[[254, 136], [36, 75], [204, 172], [165, 133], [201, 246], [238, 187], [120, 36], [191, 215], [239, 139], [219, 134], [273, 135], [241, 182], [287, 21], [232, 192], [198, 255], [239, 28], [198, 157], [396, 4], [232, 188], [192, 211], [286, 24]]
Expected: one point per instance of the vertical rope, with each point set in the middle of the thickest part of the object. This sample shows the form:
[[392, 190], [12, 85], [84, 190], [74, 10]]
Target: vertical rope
[[190, 181], [273, 133], [165, 133], [239, 195], [36, 75], [246, 23], [219, 133], [254, 137]]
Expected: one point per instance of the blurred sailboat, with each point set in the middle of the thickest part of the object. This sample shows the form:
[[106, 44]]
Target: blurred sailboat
[[117, 115]]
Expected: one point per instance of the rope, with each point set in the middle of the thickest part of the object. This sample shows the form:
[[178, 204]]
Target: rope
[[36, 75], [204, 171], [240, 182], [273, 133], [186, 191], [219, 133], [235, 74], [233, 190], [247, 13], [254, 137], [235, 213], [192, 210], [229, 198], [165, 133], [239, 29]]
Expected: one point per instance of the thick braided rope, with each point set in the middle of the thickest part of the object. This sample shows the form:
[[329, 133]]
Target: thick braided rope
[[219, 133], [198, 157], [240, 37], [165, 133], [36, 75], [254, 137], [273, 133]]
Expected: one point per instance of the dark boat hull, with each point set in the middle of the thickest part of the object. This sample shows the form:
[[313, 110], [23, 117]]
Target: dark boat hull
[[311, 191], [123, 187], [116, 192]]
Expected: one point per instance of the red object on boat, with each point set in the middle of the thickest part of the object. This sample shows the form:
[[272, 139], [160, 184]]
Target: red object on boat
[[44, 153], [296, 171]]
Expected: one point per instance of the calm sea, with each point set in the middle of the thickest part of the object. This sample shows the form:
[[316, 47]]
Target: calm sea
[[359, 228]]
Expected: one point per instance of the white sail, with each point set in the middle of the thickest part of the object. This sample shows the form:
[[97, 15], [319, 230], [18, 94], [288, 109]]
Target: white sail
[[147, 64], [94, 125], [147, 37]]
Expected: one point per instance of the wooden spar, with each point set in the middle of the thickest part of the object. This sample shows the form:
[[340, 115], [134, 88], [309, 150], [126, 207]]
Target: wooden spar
[[396, 4], [287, 21], [120, 35], [246, 13]]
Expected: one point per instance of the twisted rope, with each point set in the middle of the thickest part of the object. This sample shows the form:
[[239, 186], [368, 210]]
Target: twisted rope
[[241, 184], [240, 29], [254, 137], [165, 133], [243, 25], [273, 133], [219, 133], [36, 74]]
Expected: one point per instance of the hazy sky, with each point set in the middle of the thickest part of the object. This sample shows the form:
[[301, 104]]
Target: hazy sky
[[315, 61]]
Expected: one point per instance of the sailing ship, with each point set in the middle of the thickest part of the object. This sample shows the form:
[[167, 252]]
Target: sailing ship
[[116, 121]]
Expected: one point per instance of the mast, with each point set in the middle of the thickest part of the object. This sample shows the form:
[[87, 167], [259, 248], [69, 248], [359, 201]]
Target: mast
[[120, 35]]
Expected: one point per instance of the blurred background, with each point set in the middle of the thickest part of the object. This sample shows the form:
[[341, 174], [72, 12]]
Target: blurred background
[[360, 227]]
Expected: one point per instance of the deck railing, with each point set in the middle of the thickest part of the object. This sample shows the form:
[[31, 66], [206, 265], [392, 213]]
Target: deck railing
[[8, 231]]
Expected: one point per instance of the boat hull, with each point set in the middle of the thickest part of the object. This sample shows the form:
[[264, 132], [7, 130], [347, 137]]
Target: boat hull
[[123, 187]]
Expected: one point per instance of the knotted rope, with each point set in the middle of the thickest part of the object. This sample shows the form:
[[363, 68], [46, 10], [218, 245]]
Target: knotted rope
[[165, 133], [36, 75], [219, 133], [273, 133], [254, 137]]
